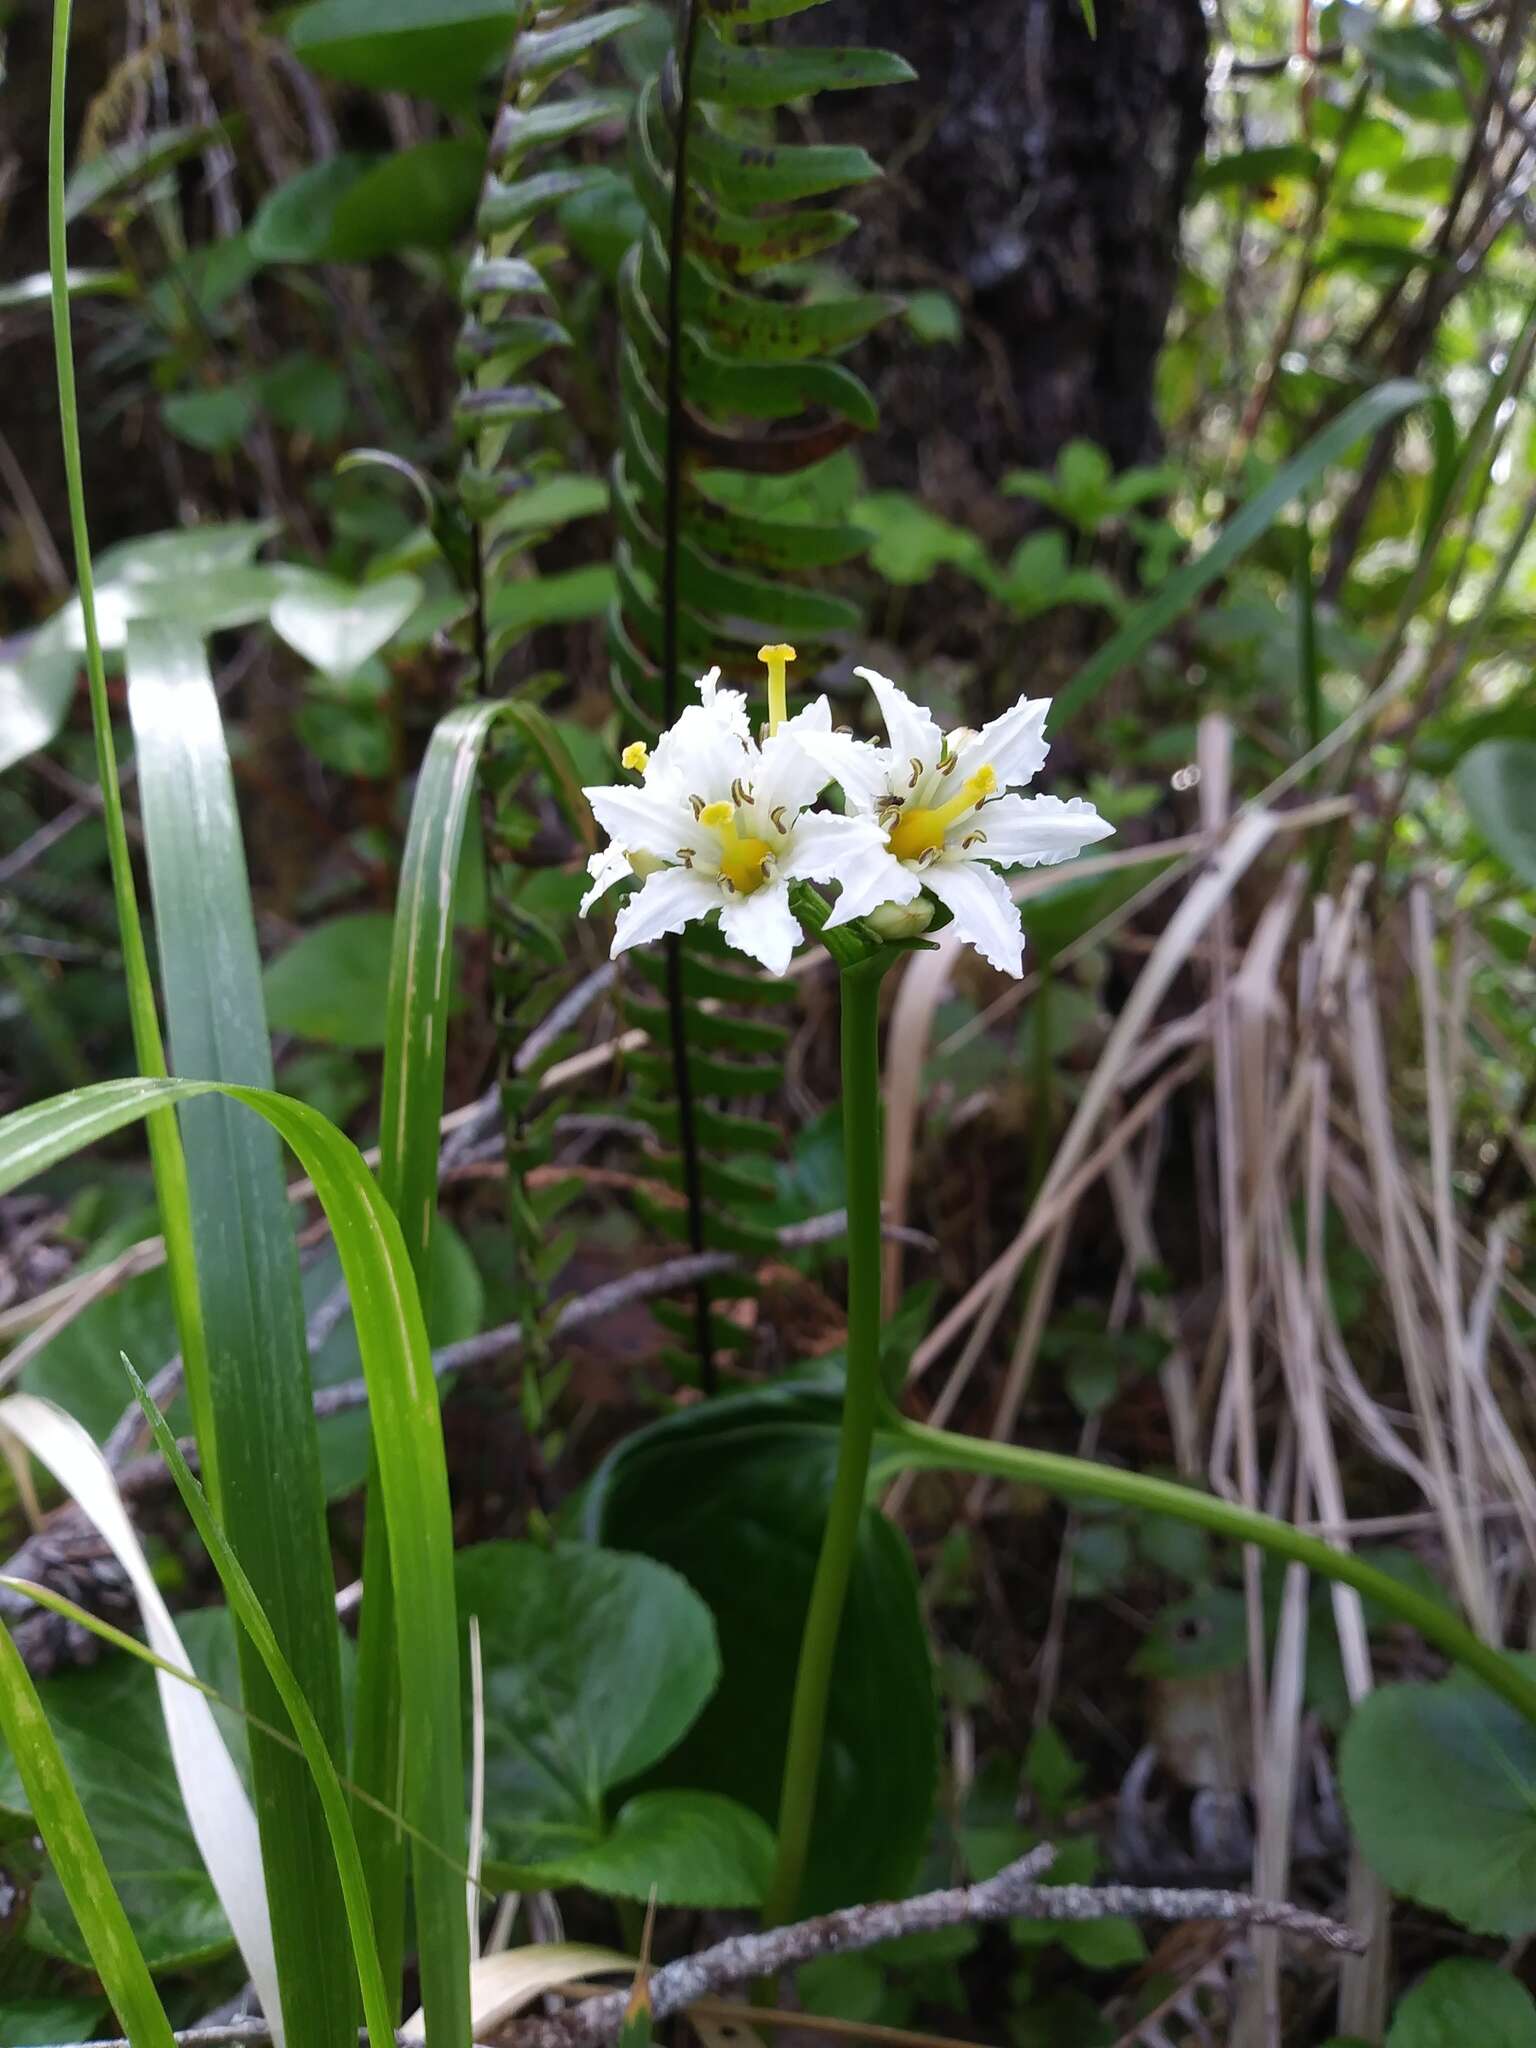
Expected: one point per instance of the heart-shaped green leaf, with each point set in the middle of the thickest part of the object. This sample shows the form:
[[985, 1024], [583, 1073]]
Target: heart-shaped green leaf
[[1461, 2001], [595, 1665], [734, 1496], [1465, 1842], [337, 626]]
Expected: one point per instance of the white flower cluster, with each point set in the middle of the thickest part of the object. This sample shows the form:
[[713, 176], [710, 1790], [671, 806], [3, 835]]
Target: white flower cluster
[[722, 821]]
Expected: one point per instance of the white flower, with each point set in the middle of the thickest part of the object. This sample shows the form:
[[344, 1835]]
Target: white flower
[[721, 822], [947, 817]]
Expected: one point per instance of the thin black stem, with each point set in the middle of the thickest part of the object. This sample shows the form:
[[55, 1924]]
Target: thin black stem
[[682, 1077]]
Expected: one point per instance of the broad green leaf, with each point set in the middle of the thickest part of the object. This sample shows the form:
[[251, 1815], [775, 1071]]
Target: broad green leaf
[[687, 1848], [184, 555], [1497, 781], [337, 626], [516, 608], [1465, 1843], [55, 1806], [210, 420], [734, 1497], [26, 2020], [37, 686], [330, 984], [295, 222], [422, 198], [1462, 2001], [437, 49], [248, 1273], [910, 542], [596, 1664]]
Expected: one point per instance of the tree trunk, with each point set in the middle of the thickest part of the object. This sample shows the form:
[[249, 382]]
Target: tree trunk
[[1038, 174]]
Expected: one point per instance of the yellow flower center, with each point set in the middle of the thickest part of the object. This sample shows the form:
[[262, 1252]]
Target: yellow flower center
[[636, 757], [921, 830], [743, 860], [777, 660]]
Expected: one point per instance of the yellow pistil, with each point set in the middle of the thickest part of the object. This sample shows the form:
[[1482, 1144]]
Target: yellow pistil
[[636, 757], [777, 660], [742, 860], [921, 830]]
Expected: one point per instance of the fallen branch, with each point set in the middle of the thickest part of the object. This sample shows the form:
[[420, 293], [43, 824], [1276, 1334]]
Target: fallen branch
[[1014, 1892]]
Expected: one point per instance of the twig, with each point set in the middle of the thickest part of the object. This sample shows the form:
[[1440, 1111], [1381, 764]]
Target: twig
[[1014, 1891], [742, 1957]]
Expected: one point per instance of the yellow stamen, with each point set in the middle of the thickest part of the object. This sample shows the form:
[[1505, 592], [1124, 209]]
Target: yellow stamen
[[777, 660], [636, 757], [742, 861], [921, 830]]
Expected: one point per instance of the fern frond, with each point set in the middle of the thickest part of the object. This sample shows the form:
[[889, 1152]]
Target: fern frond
[[517, 488], [728, 371]]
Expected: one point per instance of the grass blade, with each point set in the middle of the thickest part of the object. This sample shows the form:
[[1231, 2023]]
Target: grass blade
[[222, 1821], [61, 1820], [312, 1738], [415, 1045], [1374, 410], [407, 1425], [166, 1157], [248, 1271]]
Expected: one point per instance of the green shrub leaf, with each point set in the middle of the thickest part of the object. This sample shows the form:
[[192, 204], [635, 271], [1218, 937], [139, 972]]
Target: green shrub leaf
[[734, 1496], [1465, 1842], [1462, 2001]]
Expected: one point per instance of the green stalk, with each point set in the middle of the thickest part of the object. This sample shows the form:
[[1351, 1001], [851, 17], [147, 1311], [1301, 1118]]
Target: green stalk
[[1082, 1478], [860, 994], [166, 1156]]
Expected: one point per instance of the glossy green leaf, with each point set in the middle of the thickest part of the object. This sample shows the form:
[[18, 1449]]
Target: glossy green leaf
[[694, 1849], [733, 1496], [337, 626], [1461, 2001], [330, 984], [1497, 782], [248, 1272], [27, 2020], [437, 49], [1465, 1843], [294, 222], [595, 1665], [422, 198], [76, 1858]]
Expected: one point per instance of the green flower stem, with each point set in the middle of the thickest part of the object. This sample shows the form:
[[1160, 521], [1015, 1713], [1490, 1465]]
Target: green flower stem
[[860, 995], [166, 1156], [1080, 1478]]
